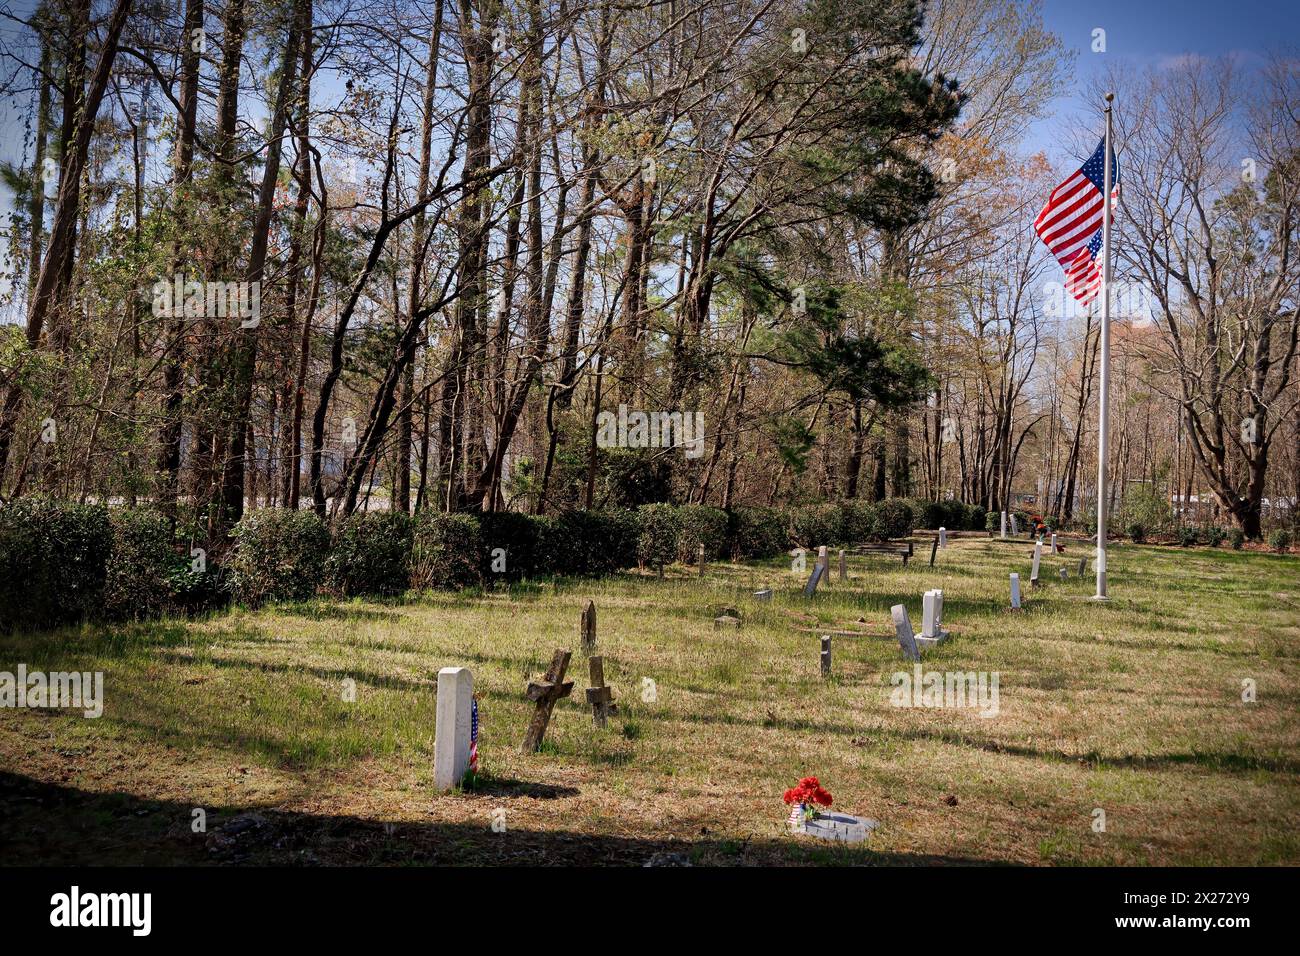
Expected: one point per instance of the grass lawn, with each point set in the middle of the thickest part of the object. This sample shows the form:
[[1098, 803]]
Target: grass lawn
[[1133, 708]]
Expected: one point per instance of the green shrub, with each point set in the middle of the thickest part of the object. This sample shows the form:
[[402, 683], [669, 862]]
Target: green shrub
[[993, 521], [446, 551], [519, 535], [1188, 536], [893, 519], [588, 542], [53, 562], [816, 525], [1279, 540], [758, 532], [1236, 538], [658, 526], [857, 518], [144, 569], [278, 556], [370, 554], [1214, 535], [701, 525], [931, 515], [1137, 531]]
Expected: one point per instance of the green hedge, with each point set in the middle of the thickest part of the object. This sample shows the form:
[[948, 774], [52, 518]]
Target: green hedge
[[63, 562], [370, 554], [53, 562], [278, 556]]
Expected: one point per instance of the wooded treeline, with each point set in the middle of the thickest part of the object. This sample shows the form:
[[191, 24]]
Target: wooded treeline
[[342, 255]]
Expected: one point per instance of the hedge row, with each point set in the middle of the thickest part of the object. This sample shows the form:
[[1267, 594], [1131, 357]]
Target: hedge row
[[61, 563]]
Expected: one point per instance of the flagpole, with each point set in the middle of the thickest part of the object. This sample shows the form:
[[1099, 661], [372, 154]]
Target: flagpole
[[1103, 403]]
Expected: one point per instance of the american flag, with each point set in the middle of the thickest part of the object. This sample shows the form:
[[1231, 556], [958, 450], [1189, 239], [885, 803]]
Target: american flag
[[796, 817], [473, 736], [1071, 223]]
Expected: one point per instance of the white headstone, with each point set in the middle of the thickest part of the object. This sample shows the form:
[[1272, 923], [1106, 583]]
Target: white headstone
[[932, 615], [822, 559], [844, 566], [1054, 542], [1004, 524], [1015, 525], [452, 729], [943, 537], [903, 627], [1038, 557], [1015, 590]]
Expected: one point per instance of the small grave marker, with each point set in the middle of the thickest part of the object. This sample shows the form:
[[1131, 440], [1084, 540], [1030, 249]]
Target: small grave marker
[[934, 550], [932, 619], [589, 628], [452, 726], [844, 566], [701, 560], [551, 688], [826, 656], [599, 696], [1004, 524], [764, 595], [1083, 565], [1055, 550], [839, 826], [1038, 557], [1065, 573], [811, 587], [903, 628], [1015, 527], [943, 537], [1015, 591]]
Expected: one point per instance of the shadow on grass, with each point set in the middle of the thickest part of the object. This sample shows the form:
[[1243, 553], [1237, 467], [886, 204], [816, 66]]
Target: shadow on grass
[[45, 824]]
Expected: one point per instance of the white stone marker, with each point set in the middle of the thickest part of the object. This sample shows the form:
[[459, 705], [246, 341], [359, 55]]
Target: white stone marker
[[1004, 524], [932, 619], [844, 566], [763, 595], [1038, 557], [903, 627], [1015, 591], [943, 537], [1054, 551], [452, 727], [822, 559], [1015, 525], [839, 826]]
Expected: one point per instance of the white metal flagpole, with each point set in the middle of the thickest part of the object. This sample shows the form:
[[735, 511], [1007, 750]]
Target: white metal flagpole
[[1103, 402]]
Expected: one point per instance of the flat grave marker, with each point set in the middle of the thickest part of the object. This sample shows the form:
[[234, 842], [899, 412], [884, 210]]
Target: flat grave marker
[[842, 827]]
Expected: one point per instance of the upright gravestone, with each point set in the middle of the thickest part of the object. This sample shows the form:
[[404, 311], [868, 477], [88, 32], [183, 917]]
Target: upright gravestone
[[1015, 591], [943, 537], [598, 695], [1038, 557], [903, 628], [701, 560], [1004, 524], [934, 550], [453, 727], [589, 628], [844, 566], [1054, 548], [813, 579], [764, 595], [826, 656], [1064, 572], [1015, 526], [932, 615], [1083, 566]]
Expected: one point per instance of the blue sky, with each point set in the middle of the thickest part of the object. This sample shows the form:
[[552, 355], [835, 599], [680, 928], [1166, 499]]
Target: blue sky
[[1143, 33]]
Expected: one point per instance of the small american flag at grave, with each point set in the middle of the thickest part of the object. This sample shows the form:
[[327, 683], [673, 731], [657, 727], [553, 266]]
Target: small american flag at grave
[[473, 736]]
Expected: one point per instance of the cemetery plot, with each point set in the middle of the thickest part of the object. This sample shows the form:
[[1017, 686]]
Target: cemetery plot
[[247, 715]]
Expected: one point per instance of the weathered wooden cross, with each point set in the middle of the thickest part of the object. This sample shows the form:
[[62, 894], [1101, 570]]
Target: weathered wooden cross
[[589, 628], [545, 693], [598, 695]]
